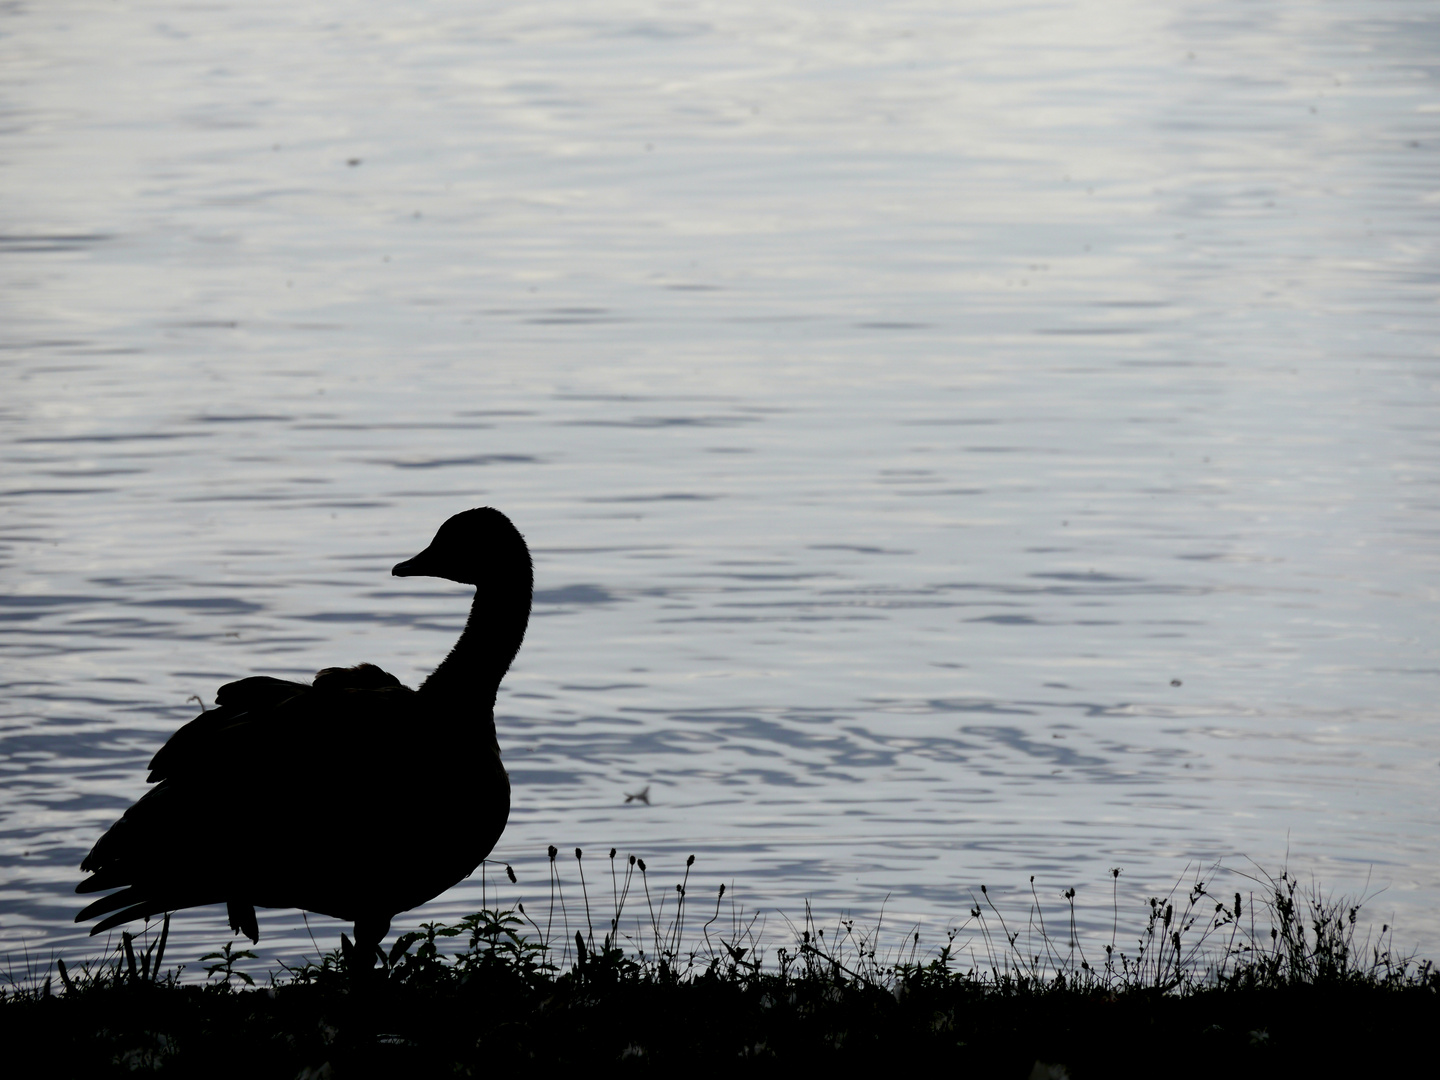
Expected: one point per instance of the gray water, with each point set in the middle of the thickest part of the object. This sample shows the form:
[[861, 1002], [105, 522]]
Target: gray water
[[958, 441]]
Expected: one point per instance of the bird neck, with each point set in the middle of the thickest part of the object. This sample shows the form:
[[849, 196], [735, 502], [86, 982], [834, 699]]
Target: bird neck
[[469, 677]]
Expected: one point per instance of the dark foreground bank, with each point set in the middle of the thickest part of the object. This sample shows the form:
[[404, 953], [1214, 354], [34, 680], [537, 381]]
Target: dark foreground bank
[[708, 1024], [494, 1021], [1204, 986]]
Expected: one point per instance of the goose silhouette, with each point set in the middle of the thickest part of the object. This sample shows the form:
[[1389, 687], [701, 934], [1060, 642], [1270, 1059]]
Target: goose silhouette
[[353, 796]]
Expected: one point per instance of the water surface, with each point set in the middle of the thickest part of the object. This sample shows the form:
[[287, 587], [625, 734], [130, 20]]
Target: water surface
[[958, 442]]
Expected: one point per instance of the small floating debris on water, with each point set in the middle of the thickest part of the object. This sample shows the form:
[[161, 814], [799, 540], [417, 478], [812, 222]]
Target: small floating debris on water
[[643, 795]]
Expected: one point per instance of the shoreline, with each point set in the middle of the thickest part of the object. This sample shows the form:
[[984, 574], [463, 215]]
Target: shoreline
[[1255, 986]]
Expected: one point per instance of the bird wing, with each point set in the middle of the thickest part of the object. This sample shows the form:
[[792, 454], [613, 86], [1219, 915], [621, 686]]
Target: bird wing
[[237, 704], [247, 710], [233, 784]]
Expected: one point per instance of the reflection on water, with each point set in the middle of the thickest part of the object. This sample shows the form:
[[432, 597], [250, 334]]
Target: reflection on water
[[957, 443]]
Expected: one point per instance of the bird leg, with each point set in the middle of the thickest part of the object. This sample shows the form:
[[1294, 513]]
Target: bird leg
[[370, 930], [242, 919]]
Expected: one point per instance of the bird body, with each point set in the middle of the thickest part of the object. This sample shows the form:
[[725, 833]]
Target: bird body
[[352, 796]]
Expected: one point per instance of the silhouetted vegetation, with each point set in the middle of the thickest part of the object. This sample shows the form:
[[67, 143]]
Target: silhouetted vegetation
[[1280, 979]]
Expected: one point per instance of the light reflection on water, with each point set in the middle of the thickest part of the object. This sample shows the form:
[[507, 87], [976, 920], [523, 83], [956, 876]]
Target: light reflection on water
[[896, 402]]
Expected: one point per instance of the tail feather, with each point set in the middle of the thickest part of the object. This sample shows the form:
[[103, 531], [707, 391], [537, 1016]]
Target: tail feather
[[123, 898], [143, 910], [108, 877]]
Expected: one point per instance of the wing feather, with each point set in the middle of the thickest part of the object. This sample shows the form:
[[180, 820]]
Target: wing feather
[[233, 784]]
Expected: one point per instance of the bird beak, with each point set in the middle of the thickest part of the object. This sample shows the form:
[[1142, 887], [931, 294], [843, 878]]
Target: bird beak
[[421, 565]]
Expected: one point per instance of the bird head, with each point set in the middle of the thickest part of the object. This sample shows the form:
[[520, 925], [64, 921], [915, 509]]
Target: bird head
[[476, 546]]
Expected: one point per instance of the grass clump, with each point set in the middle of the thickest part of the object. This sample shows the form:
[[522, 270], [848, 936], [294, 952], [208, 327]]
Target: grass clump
[[1272, 980]]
